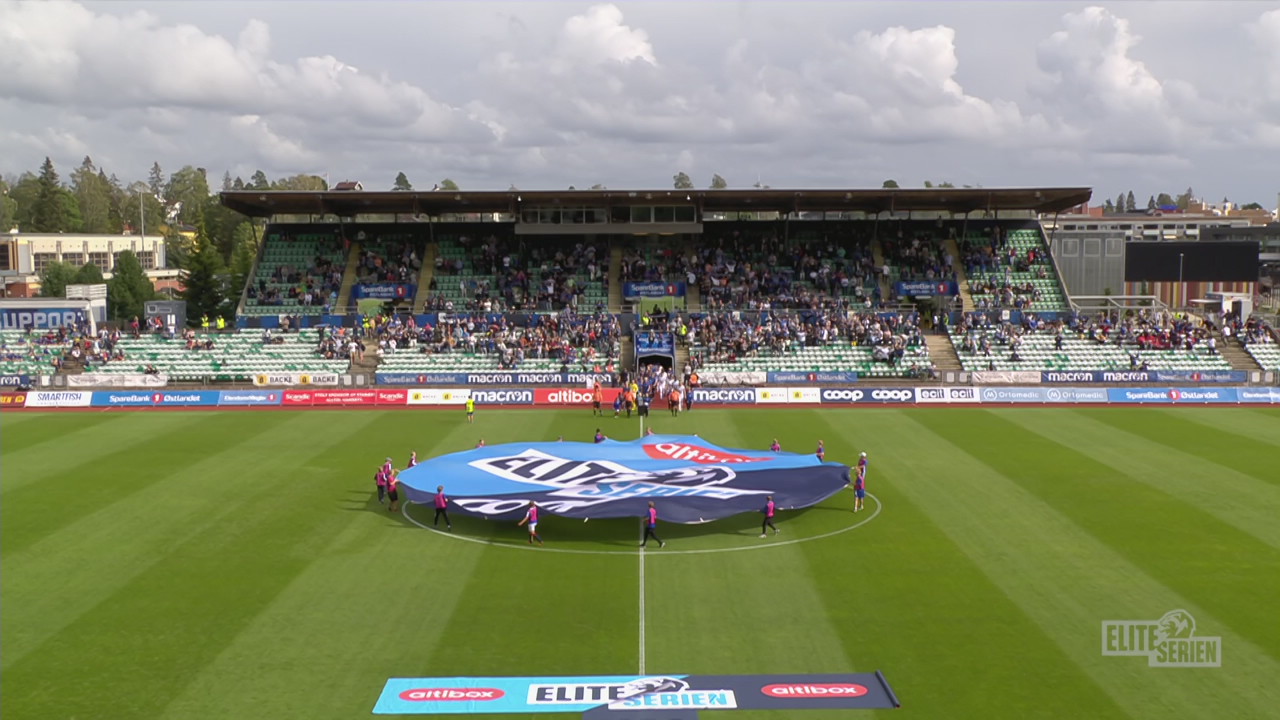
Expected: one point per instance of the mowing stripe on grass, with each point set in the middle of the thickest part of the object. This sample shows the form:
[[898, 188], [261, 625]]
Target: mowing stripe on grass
[[1199, 556], [1230, 496], [1263, 427], [53, 582], [1064, 578]]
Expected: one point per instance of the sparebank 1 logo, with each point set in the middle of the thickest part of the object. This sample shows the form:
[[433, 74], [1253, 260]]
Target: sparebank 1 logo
[[1168, 642]]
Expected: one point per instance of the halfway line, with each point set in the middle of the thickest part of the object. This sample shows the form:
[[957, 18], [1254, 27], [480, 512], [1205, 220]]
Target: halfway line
[[641, 554]]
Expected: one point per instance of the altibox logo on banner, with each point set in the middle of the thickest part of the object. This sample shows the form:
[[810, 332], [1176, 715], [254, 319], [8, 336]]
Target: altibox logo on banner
[[570, 396], [1168, 642]]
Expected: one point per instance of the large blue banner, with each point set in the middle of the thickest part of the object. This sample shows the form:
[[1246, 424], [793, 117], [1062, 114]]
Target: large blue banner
[[1172, 395], [925, 287], [1202, 376], [689, 479], [1015, 395], [655, 343], [385, 291], [147, 398], [15, 380], [250, 397], [801, 376], [634, 290], [1258, 395], [40, 318], [484, 378]]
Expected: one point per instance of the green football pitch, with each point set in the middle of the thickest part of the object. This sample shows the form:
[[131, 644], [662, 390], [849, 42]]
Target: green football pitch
[[231, 565]]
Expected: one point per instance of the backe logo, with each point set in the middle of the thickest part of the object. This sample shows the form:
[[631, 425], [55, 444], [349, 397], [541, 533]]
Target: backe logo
[[1168, 642]]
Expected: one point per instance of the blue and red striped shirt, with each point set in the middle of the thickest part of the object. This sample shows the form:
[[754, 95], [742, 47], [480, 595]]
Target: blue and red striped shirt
[[653, 517]]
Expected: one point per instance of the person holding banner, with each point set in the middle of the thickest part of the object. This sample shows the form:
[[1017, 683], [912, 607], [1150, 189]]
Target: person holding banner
[[380, 479], [651, 527], [531, 517], [442, 508], [393, 491], [776, 446], [860, 483], [769, 510]]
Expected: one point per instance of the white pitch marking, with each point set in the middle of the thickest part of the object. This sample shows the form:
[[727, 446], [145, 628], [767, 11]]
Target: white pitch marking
[[641, 554]]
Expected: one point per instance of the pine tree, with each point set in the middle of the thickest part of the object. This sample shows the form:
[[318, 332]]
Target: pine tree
[[1151, 203], [50, 214], [259, 181], [1130, 205], [1120, 203], [129, 288], [201, 278], [402, 182], [155, 181], [1109, 207]]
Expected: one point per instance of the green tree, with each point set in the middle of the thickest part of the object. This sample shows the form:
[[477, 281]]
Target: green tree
[[890, 185], [1130, 204], [447, 184], [189, 189], [718, 183], [226, 180], [55, 278], [598, 186], [302, 183], [129, 288], [141, 210], [402, 182], [682, 181], [242, 258], [52, 212], [1151, 202], [93, 197], [1185, 199], [115, 203], [88, 274], [1165, 200], [8, 208], [203, 288], [237, 184], [155, 181], [1120, 203], [24, 193], [1252, 206], [259, 181], [1109, 207]]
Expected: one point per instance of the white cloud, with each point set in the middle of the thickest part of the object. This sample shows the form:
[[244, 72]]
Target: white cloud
[[600, 36]]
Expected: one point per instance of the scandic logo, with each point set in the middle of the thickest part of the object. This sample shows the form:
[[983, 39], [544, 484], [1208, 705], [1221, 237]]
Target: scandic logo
[[693, 453], [814, 690], [451, 694]]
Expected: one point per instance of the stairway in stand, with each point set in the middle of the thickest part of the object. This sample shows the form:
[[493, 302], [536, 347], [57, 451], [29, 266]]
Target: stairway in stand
[[615, 272], [877, 254], [424, 278], [966, 297], [349, 278], [942, 353], [1239, 358], [693, 298]]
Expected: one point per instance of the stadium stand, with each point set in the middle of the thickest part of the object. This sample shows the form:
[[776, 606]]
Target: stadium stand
[[1147, 343], [874, 346], [218, 357], [1011, 268], [1259, 340], [477, 343], [499, 273], [23, 353], [299, 273], [389, 258]]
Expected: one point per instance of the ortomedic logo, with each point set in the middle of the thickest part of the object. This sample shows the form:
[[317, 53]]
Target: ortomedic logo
[[814, 690], [447, 694], [1168, 642]]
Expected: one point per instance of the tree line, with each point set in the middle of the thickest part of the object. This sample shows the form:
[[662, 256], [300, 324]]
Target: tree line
[[213, 247], [1128, 203]]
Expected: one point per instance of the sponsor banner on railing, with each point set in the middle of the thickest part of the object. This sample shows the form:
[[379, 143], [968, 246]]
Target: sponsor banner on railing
[[867, 395], [289, 379], [634, 290], [13, 400], [438, 396], [15, 381], [331, 398], [652, 343], [148, 398], [391, 397], [1259, 395], [250, 397], [929, 395], [771, 396], [562, 397], [1097, 376], [926, 287], [804, 395], [1014, 394], [503, 397], [536, 377], [117, 380], [384, 291], [1006, 377], [1172, 395], [1076, 395], [755, 377], [802, 376], [1201, 376], [59, 398], [724, 396]]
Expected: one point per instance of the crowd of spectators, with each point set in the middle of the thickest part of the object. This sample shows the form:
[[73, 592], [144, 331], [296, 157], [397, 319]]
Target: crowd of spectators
[[574, 340], [315, 285], [388, 261], [511, 275], [919, 256], [726, 338], [1254, 331], [990, 262]]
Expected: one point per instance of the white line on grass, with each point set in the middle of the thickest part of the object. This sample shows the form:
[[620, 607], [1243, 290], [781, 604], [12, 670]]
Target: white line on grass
[[404, 510], [640, 552]]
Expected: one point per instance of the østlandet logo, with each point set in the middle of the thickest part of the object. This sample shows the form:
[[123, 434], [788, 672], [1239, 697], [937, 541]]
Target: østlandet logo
[[1168, 642]]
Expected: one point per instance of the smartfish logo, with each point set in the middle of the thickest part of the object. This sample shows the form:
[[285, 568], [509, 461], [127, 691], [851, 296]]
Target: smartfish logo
[[1168, 642]]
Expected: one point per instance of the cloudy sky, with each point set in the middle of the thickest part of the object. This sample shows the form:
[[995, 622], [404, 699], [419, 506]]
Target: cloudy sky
[[1125, 95]]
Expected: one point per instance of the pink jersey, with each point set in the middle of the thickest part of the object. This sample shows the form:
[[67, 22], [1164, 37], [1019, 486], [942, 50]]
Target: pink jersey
[[413, 460], [768, 509], [441, 501], [775, 447], [381, 478], [532, 515], [653, 517]]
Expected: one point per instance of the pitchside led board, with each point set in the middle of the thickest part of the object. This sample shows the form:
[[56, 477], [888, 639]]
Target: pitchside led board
[[635, 697], [689, 479]]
